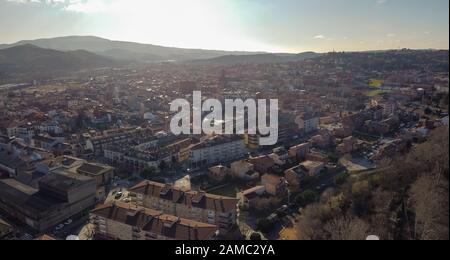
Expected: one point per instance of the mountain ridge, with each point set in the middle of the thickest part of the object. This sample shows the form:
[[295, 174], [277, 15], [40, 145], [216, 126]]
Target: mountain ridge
[[125, 50], [228, 60], [29, 58]]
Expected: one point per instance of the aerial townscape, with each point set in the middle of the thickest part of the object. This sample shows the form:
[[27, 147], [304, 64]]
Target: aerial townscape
[[87, 151]]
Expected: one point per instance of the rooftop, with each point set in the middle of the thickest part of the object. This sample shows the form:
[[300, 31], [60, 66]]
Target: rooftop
[[62, 179], [154, 221], [190, 198]]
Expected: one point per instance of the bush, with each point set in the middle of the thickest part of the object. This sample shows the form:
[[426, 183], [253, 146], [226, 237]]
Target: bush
[[305, 198], [264, 225]]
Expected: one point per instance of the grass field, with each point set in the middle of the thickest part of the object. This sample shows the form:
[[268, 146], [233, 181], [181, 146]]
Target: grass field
[[376, 92], [375, 83], [52, 88]]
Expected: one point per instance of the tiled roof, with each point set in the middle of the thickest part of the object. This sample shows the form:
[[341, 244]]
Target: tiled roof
[[156, 222], [191, 198]]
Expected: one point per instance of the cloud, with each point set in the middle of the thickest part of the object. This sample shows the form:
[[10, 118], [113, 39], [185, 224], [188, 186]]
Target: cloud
[[380, 2], [86, 6], [320, 37]]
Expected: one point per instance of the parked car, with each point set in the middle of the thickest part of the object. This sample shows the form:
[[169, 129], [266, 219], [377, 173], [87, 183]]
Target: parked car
[[283, 211], [68, 222], [59, 227], [118, 195]]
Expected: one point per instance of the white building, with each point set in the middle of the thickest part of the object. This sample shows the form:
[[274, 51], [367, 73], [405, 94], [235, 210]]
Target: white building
[[215, 150], [307, 123]]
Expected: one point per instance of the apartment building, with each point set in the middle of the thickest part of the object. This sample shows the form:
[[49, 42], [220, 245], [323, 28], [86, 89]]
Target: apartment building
[[307, 123], [215, 150], [120, 221], [198, 206]]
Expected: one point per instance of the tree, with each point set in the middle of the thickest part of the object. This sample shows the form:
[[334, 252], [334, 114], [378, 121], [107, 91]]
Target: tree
[[264, 225], [163, 165], [347, 228], [341, 178], [429, 199], [148, 173], [305, 198], [255, 237], [310, 223]]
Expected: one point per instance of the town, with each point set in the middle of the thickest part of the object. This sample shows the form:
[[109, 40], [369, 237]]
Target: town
[[91, 156]]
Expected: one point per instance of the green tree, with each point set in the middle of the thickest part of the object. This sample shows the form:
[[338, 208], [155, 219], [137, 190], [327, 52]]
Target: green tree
[[305, 198], [264, 225], [148, 173]]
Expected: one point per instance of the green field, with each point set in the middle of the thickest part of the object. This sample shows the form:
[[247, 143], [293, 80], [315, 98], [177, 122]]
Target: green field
[[376, 92], [375, 83]]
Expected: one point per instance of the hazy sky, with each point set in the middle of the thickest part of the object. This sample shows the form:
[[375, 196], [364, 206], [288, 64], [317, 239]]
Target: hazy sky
[[263, 25]]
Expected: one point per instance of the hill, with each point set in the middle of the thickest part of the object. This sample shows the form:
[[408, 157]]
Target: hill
[[124, 50], [255, 58], [31, 59]]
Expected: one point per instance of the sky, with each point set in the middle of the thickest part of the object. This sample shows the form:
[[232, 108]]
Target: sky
[[246, 25]]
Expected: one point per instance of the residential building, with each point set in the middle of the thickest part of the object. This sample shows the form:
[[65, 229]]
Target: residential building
[[243, 170], [299, 151], [313, 168], [275, 185], [198, 206], [249, 198], [216, 150], [218, 174], [262, 164], [308, 123], [119, 221]]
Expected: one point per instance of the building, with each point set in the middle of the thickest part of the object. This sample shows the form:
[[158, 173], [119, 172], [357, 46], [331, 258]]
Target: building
[[102, 174], [119, 221], [308, 123], [296, 175], [59, 197], [243, 170], [16, 157], [313, 168], [45, 142], [45, 237], [97, 144], [198, 206], [275, 185], [249, 198], [262, 164], [349, 145], [252, 141], [279, 155], [218, 174], [216, 150], [299, 151]]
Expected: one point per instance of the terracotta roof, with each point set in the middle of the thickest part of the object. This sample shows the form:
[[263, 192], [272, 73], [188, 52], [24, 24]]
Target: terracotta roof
[[191, 198], [156, 222], [46, 238]]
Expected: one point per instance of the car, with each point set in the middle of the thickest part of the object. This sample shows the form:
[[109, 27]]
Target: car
[[283, 211], [68, 222], [118, 195], [127, 200], [59, 227]]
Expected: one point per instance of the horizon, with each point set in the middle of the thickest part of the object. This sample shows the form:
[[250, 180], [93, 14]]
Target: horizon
[[254, 52], [288, 26]]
